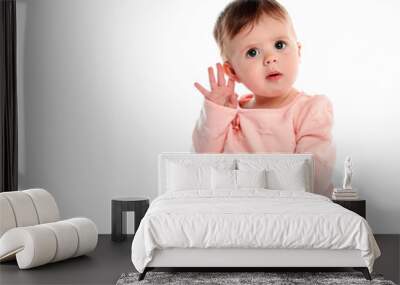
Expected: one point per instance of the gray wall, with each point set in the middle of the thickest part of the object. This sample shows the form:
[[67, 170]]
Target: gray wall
[[104, 86]]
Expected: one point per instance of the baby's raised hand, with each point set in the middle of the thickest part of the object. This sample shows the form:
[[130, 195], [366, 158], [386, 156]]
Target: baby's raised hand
[[221, 93]]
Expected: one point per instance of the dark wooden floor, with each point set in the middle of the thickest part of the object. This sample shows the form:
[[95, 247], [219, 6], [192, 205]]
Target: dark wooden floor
[[111, 259], [102, 266]]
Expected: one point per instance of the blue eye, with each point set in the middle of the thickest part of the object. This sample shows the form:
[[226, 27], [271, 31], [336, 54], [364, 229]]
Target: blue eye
[[252, 52], [280, 45]]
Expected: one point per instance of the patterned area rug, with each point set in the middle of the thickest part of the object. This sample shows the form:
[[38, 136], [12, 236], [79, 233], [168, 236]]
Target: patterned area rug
[[270, 278]]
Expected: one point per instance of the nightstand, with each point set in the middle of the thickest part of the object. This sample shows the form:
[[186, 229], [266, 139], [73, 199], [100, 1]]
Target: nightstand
[[357, 206], [119, 207]]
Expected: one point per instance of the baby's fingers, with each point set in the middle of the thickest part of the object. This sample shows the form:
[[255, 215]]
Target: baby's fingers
[[221, 78], [213, 83], [202, 90], [231, 84]]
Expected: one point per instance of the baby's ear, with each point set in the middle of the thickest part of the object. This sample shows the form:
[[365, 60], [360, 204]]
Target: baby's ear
[[230, 71]]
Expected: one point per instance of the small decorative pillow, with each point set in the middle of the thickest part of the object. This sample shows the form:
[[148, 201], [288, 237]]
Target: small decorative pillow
[[182, 177], [251, 178], [223, 179], [237, 179]]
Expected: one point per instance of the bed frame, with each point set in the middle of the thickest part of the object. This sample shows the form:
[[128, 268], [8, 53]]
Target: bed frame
[[248, 259]]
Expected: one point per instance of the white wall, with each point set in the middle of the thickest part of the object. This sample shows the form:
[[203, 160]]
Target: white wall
[[104, 86]]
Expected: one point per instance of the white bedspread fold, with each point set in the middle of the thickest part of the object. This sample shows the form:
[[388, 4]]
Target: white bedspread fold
[[250, 218]]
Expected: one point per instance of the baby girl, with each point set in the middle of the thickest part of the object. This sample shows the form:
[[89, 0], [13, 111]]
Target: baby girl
[[259, 49]]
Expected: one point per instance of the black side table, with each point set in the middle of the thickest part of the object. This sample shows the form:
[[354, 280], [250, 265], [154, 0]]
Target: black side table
[[357, 206], [119, 207]]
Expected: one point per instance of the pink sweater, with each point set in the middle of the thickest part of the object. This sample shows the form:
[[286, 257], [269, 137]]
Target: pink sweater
[[302, 126]]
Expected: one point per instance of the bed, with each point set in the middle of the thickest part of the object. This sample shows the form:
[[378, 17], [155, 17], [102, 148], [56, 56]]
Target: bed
[[244, 211]]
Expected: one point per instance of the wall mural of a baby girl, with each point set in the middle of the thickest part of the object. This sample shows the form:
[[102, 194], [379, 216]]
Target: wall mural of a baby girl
[[259, 49]]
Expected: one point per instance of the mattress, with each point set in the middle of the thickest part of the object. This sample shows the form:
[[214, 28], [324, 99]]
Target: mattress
[[250, 219]]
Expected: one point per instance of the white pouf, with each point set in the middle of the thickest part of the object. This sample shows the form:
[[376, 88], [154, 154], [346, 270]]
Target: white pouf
[[32, 233]]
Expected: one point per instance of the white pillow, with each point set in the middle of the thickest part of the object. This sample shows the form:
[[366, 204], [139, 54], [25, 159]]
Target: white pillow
[[293, 179], [282, 174], [185, 177], [237, 179], [251, 178], [223, 179]]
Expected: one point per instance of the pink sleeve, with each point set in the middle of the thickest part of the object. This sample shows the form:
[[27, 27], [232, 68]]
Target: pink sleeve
[[211, 128], [313, 135]]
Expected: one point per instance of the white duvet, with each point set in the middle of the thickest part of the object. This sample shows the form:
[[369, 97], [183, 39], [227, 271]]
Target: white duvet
[[250, 218]]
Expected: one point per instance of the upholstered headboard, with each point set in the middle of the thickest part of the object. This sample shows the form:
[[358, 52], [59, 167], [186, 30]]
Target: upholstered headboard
[[234, 161]]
